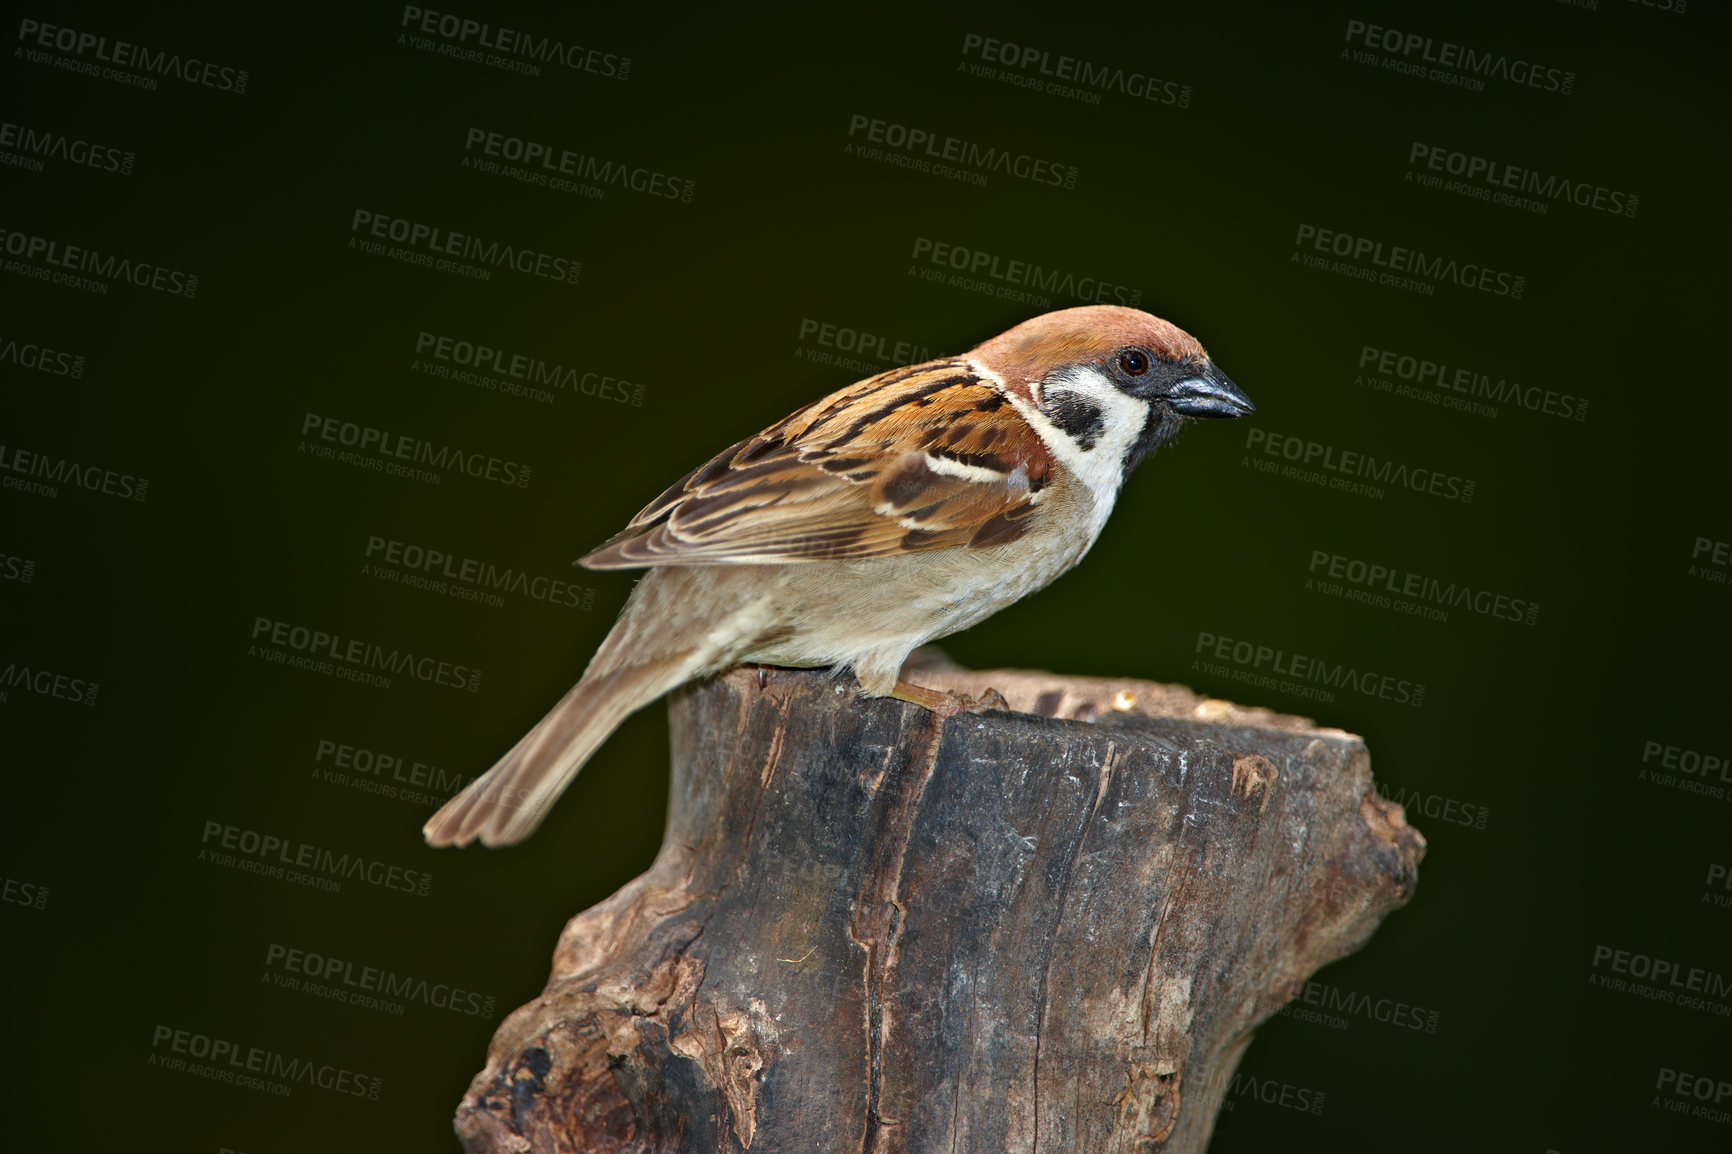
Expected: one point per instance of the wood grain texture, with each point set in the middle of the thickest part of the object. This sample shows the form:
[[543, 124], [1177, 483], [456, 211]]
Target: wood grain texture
[[1052, 928]]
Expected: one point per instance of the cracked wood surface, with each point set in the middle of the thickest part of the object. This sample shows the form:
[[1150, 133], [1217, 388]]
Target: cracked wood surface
[[1048, 928]]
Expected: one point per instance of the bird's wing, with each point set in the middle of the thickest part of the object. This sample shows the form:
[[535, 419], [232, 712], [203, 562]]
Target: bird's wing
[[926, 457]]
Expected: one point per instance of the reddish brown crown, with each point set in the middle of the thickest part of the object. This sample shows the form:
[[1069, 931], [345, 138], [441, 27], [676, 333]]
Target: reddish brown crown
[[1036, 347]]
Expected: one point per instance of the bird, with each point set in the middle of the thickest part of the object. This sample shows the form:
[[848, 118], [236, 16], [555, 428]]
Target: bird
[[903, 508]]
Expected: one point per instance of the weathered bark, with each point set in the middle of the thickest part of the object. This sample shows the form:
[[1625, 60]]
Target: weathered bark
[[872, 930]]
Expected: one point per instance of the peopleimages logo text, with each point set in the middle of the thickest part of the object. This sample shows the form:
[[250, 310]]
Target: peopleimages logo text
[[1070, 69], [236, 1062], [929, 144], [321, 645], [974, 262], [123, 54], [104, 267], [434, 240], [1414, 262], [278, 851], [468, 37], [1416, 50]]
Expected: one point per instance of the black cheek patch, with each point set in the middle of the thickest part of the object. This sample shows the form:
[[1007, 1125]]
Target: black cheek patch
[[1079, 417]]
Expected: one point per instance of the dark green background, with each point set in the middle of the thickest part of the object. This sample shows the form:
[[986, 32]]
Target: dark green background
[[1543, 726]]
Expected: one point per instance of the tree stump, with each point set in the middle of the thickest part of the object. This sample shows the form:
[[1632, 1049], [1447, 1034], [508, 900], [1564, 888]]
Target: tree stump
[[1051, 927]]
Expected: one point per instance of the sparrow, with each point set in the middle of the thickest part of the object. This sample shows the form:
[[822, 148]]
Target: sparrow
[[901, 509]]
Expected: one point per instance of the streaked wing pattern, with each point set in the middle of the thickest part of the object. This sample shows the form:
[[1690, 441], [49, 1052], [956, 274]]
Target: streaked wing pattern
[[887, 465]]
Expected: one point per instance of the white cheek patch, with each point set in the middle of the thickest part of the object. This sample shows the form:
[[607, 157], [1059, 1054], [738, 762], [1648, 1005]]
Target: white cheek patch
[[1101, 467], [1120, 424]]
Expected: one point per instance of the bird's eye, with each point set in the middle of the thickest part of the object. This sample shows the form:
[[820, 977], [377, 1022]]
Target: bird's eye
[[1134, 362]]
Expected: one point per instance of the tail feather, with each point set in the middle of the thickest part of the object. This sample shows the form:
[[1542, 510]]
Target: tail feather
[[504, 805]]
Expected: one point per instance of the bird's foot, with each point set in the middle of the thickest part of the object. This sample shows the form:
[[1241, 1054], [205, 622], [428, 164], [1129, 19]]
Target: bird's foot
[[948, 703]]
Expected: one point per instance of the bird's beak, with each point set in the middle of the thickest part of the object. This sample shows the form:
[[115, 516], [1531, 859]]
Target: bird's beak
[[1209, 394]]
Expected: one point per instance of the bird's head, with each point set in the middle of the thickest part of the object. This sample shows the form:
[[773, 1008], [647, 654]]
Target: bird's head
[[1113, 380]]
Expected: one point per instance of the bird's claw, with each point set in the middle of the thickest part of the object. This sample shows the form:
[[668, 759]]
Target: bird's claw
[[989, 698], [949, 703]]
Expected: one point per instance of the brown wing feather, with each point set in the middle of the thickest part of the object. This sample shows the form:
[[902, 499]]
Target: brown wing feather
[[926, 457]]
